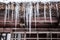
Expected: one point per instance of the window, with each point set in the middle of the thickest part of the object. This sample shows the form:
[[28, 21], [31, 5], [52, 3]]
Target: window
[[54, 35], [31, 35], [42, 35]]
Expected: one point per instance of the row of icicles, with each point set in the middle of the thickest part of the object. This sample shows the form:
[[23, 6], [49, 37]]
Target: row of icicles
[[28, 13]]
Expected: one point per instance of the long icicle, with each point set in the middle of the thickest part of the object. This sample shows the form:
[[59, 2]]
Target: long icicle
[[45, 11], [12, 5], [57, 9], [24, 12], [16, 14], [35, 14], [30, 16], [8, 11], [27, 12], [50, 12], [5, 15], [38, 9]]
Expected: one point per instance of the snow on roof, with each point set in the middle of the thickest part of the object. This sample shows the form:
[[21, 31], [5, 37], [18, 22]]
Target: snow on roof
[[6, 1]]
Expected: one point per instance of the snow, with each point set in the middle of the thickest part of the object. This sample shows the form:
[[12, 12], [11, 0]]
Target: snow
[[6, 1]]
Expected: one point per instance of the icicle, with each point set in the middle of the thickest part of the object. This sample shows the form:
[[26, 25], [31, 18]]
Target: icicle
[[57, 9], [50, 12], [45, 11], [8, 11], [16, 14], [30, 16], [24, 11], [12, 11], [27, 11], [35, 14], [38, 9], [5, 15]]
